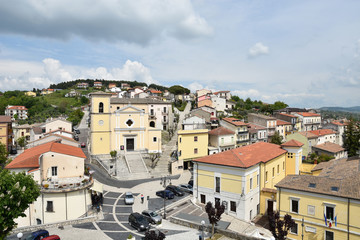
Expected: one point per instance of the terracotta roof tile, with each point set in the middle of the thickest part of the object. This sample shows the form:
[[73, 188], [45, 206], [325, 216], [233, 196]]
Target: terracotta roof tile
[[246, 156], [281, 122], [329, 147], [17, 107], [235, 121], [308, 114], [30, 157], [322, 132], [5, 119], [288, 115], [308, 134], [292, 143], [221, 131]]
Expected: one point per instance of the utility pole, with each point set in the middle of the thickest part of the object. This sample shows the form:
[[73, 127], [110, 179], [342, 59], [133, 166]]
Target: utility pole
[[164, 182]]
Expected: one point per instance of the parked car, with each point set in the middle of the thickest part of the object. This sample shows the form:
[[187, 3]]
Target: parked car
[[83, 144], [186, 188], [129, 198], [76, 137], [167, 194], [52, 237], [152, 216], [191, 182], [13, 151], [77, 131], [138, 221], [39, 234], [176, 190]]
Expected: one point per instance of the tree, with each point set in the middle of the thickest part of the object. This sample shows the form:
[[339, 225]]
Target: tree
[[3, 156], [351, 138], [214, 213], [113, 153], [177, 89], [17, 192], [276, 139], [22, 142], [279, 228], [152, 235], [279, 105], [154, 158]]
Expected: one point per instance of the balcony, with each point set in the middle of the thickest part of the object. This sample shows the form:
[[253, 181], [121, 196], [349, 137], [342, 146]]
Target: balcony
[[152, 117], [66, 184], [242, 141]]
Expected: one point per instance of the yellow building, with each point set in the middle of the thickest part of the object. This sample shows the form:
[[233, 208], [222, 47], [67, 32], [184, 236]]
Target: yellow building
[[243, 178], [327, 204], [121, 127], [192, 144], [30, 94], [6, 132]]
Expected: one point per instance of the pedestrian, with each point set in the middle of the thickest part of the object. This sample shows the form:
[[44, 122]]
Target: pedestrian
[[142, 198]]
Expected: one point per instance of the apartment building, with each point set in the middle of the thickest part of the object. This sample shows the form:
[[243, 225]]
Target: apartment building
[[309, 121], [16, 112], [265, 121], [240, 128]]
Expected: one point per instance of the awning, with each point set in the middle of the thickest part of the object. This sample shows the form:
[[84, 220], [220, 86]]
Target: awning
[[97, 187]]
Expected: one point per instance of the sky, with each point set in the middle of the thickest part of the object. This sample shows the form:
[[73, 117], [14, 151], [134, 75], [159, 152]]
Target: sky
[[305, 53]]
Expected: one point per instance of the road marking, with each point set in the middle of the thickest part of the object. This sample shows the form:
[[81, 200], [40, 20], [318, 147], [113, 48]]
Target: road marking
[[193, 211]]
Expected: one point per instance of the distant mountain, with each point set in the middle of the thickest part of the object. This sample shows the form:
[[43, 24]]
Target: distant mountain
[[355, 109]]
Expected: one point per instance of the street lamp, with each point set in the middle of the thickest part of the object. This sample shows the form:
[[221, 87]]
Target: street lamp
[[19, 235], [164, 181], [202, 229]]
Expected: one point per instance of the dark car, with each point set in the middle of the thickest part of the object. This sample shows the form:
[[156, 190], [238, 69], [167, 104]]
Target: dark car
[[191, 182], [138, 221], [167, 194], [186, 188], [76, 137], [13, 151], [40, 234], [77, 131], [83, 144], [176, 190]]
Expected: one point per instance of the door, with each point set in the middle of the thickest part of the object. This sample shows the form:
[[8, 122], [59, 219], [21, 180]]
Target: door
[[270, 207], [129, 144]]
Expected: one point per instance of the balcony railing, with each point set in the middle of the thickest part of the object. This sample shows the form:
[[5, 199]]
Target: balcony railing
[[66, 184], [242, 141]]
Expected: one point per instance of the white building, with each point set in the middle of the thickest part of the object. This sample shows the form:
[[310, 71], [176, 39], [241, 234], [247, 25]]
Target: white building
[[194, 122], [20, 111], [59, 170], [309, 121], [222, 138]]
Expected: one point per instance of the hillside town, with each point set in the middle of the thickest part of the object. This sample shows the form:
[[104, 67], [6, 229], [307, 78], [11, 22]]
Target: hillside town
[[147, 161]]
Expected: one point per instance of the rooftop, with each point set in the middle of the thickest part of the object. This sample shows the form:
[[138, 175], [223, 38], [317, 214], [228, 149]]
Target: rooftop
[[292, 143], [288, 115], [221, 131], [329, 147], [281, 122], [246, 156], [5, 119], [308, 134], [339, 177], [30, 157], [322, 132], [262, 116], [235, 121], [308, 114]]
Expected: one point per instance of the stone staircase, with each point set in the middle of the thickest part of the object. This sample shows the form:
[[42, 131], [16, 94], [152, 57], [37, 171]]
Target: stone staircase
[[135, 165]]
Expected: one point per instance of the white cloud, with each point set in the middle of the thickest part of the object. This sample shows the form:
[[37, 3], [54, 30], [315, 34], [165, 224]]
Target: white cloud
[[123, 20], [258, 49], [41, 75], [195, 86], [251, 93]]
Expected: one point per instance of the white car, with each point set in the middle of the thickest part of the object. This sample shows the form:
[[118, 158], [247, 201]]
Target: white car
[[129, 198], [186, 188]]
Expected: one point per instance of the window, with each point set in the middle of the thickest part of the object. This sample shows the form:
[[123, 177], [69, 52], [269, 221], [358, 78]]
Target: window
[[49, 206], [283, 165], [53, 171], [117, 108], [180, 140], [257, 180], [179, 153], [203, 198], [222, 140], [294, 229], [312, 185], [195, 150], [164, 109], [232, 206], [294, 207], [278, 169], [195, 138], [266, 176], [152, 124], [329, 211], [164, 118], [152, 112], [154, 139], [273, 172], [251, 183], [101, 107], [217, 184], [329, 235], [250, 214]]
